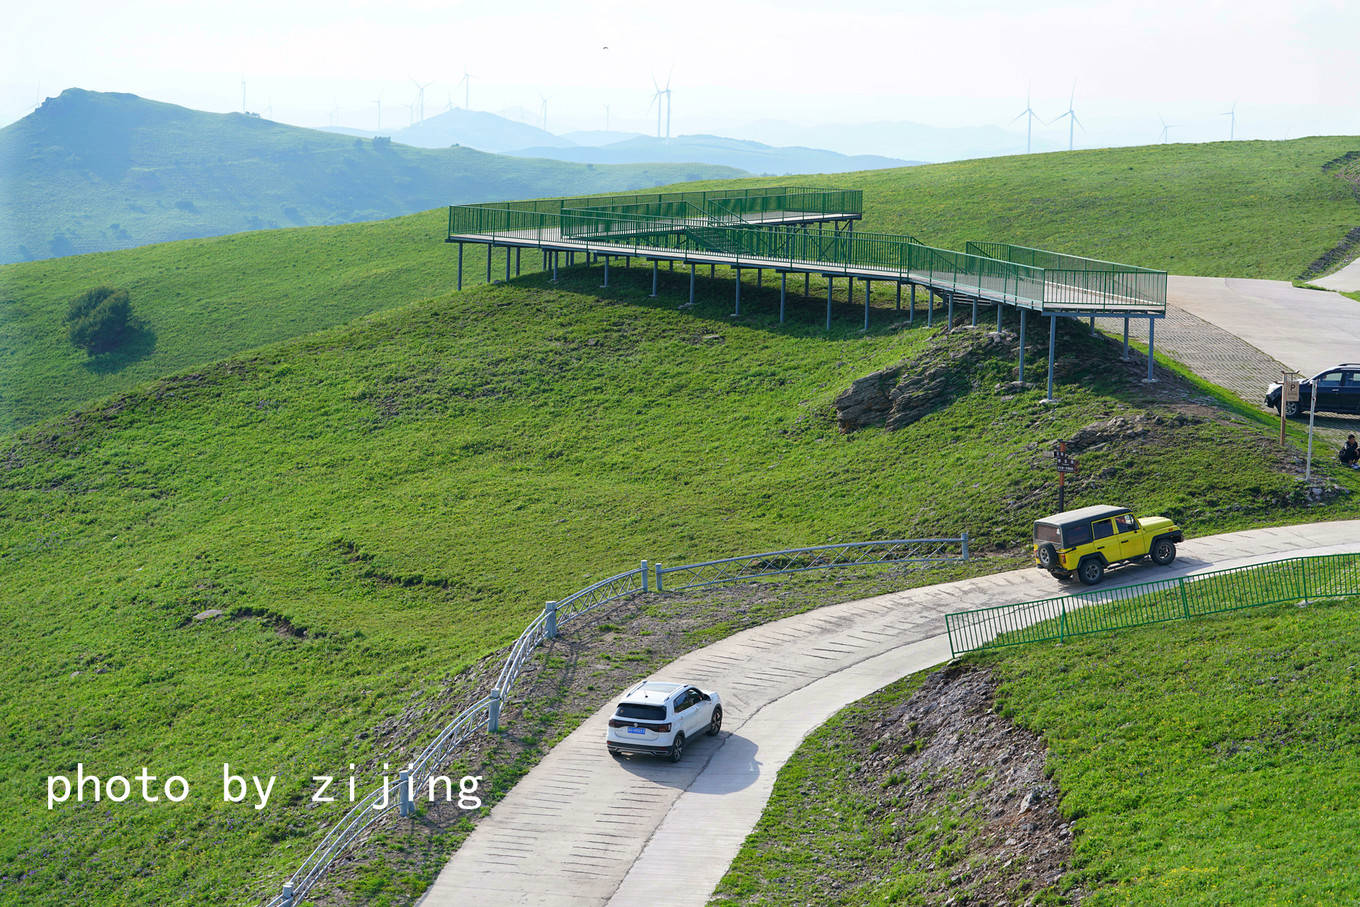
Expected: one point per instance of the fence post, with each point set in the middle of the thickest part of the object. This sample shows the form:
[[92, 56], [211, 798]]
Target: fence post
[[1303, 578], [493, 710], [1062, 623], [550, 620], [658, 578], [965, 546], [287, 894], [404, 805], [1185, 599], [645, 578]]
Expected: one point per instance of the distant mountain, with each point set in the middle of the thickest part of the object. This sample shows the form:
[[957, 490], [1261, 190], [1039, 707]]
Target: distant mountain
[[753, 156], [92, 171], [598, 137], [901, 138], [475, 129]]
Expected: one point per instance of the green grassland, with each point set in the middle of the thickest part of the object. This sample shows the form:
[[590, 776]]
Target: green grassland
[[1251, 209], [92, 171], [376, 506], [1208, 762]]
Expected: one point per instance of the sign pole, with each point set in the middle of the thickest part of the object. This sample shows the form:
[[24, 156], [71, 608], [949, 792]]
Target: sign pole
[[1308, 469]]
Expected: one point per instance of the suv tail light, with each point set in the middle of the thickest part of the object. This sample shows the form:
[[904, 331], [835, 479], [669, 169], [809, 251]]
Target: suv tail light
[[658, 728]]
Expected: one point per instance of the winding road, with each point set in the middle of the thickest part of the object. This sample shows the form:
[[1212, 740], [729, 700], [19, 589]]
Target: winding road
[[585, 829]]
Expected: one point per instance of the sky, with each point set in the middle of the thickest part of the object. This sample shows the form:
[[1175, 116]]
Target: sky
[[1289, 66]]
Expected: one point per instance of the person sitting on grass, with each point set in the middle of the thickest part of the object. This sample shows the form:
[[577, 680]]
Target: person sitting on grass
[[1350, 453]]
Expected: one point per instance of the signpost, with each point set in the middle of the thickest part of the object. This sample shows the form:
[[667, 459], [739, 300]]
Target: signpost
[[1065, 463], [1289, 393], [1312, 409]]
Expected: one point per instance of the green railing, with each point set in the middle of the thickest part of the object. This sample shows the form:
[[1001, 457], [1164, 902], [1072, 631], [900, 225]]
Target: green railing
[[1182, 598], [1072, 281]]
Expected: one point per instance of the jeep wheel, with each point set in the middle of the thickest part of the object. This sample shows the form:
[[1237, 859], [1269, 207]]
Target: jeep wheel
[[1048, 557], [715, 723], [677, 748], [1164, 551], [1091, 571]]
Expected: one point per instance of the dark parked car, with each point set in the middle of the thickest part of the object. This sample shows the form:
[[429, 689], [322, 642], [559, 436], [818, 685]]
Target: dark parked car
[[1338, 391]]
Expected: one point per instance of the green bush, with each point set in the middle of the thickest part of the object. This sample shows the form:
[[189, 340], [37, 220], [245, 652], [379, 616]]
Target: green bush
[[99, 319]]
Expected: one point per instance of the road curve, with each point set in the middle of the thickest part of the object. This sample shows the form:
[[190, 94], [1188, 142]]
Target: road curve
[[582, 828]]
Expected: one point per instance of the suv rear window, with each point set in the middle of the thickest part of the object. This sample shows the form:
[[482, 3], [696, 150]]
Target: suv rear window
[[1076, 534], [1045, 533], [641, 712]]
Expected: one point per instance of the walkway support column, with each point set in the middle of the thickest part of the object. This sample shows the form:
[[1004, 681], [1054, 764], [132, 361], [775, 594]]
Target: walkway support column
[[517, 251], [489, 247], [951, 312], [553, 256], [807, 283], [1151, 350], [899, 296], [691, 283], [930, 307], [606, 270], [738, 309], [911, 304], [507, 264], [866, 305], [829, 281], [975, 302], [1125, 355], [1021, 370], [1052, 347], [654, 270], [783, 290], [460, 266], [998, 318]]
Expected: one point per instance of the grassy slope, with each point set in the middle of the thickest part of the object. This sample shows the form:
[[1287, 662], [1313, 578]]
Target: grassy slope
[[1205, 763], [92, 171], [409, 489], [1259, 209]]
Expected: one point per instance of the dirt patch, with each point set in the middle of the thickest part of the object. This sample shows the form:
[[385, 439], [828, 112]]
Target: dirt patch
[[947, 751]]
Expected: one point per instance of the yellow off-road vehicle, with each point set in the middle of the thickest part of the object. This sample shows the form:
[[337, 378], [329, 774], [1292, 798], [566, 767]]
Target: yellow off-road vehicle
[[1086, 541]]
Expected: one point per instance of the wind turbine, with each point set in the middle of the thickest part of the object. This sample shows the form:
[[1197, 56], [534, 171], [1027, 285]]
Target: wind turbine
[[466, 82], [545, 112], [656, 99], [1029, 126], [420, 97], [378, 101], [1232, 124], [1072, 121], [1166, 128]]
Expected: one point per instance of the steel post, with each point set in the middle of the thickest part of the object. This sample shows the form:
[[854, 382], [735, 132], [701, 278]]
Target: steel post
[[973, 323], [807, 283], [899, 296], [930, 307], [404, 805], [645, 575], [550, 620], [691, 283], [606, 270], [553, 256], [1052, 347], [493, 710], [951, 311], [460, 266], [1125, 356], [654, 272], [998, 318], [737, 311], [517, 250], [489, 248], [1151, 351], [507, 264], [783, 289], [829, 281], [866, 304], [760, 277], [1021, 376]]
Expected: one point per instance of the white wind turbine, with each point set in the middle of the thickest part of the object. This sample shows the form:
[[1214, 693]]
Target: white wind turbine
[[378, 101], [662, 95], [1232, 124], [1029, 126], [544, 102], [1166, 128], [466, 82], [420, 97], [1072, 121]]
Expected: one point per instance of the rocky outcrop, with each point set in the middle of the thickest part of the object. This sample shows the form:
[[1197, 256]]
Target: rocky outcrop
[[899, 395]]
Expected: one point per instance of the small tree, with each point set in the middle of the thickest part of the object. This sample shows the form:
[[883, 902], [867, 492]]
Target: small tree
[[99, 319]]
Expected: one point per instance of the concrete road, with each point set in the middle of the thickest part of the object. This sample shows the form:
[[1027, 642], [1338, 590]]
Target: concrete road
[[1347, 280], [1307, 330], [585, 829]]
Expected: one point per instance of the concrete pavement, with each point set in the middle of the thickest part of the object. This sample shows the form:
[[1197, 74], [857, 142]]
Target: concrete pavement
[[585, 829], [1307, 330], [1346, 280]]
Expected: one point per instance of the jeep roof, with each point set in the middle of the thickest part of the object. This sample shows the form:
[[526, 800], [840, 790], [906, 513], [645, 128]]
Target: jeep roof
[[1085, 513]]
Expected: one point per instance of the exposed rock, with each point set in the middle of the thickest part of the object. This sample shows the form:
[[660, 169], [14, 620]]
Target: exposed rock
[[209, 614]]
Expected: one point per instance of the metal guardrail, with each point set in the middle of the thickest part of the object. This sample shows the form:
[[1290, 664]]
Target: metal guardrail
[[485, 713], [1073, 279], [1125, 607]]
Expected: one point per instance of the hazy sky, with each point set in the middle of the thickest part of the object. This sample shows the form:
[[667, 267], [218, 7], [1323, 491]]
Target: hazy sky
[[1292, 66]]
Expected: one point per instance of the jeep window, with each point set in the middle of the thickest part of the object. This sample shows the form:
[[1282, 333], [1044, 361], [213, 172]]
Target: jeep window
[[1102, 529], [1125, 523], [641, 711], [1076, 534], [1046, 533]]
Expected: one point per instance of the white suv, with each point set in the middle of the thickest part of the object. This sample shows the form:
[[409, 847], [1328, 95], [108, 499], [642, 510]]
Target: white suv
[[655, 717]]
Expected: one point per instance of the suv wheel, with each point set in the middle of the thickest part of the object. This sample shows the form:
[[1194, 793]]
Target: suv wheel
[[1048, 557], [1164, 551], [1091, 571], [1291, 409], [677, 748], [715, 723]]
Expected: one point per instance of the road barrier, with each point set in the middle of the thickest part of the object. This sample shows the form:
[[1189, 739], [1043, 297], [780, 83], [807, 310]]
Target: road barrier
[[485, 713], [1183, 598]]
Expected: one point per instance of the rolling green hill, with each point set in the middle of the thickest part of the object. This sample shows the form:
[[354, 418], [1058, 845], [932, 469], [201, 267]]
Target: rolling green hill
[[1254, 209], [91, 171], [377, 506]]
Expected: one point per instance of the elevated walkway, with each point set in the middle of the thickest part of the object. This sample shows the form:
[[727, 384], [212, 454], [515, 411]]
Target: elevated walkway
[[771, 228]]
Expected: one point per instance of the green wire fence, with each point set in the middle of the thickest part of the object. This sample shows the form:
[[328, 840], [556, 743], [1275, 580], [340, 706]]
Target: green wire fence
[[1182, 598]]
